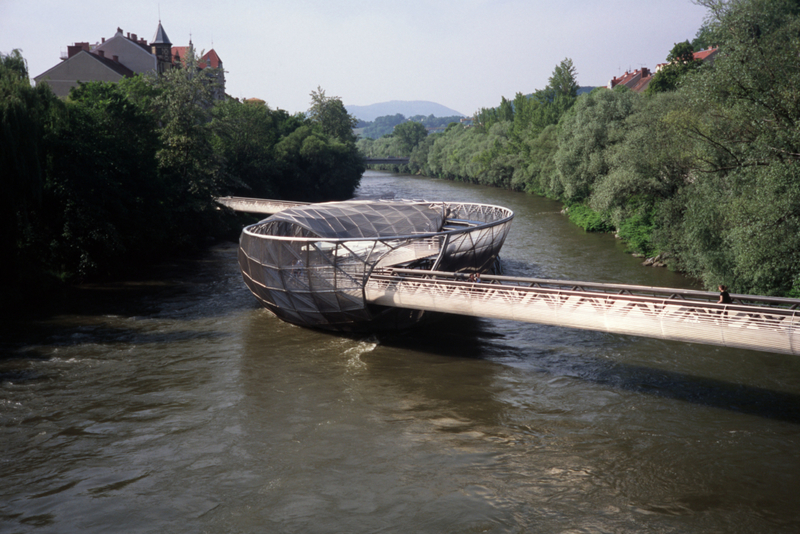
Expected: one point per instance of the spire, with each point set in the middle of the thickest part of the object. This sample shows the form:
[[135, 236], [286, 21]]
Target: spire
[[161, 36]]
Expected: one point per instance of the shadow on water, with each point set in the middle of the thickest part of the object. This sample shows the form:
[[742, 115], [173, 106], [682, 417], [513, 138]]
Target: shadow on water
[[750, 400], [145, 293], [464, 337]]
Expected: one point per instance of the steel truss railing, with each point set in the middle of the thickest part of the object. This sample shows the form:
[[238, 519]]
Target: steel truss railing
[[759, 323]]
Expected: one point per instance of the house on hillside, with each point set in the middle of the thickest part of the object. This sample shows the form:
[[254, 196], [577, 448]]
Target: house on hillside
[[708, 54], [639, 79], [209, 60], [122, 55]]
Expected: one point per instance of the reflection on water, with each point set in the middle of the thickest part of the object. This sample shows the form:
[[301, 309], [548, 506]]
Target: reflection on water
[[180, 406]]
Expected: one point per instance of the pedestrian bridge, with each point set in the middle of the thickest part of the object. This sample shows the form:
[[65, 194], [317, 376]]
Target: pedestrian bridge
[[752, 322], [770, 324]]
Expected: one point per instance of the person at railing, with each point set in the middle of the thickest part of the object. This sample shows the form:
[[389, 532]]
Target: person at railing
[[724, 296]]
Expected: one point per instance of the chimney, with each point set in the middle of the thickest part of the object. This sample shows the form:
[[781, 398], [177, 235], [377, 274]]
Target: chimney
[[116, 59], [101, 53], [133, 37], [129, 35], [102, 39], [645, 72]]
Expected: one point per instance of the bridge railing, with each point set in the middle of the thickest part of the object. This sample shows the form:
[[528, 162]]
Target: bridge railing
[[611, 289], [772, 325]]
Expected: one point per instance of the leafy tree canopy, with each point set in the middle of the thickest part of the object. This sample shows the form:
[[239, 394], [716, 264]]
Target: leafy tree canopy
[[331, 116], [564, 81]]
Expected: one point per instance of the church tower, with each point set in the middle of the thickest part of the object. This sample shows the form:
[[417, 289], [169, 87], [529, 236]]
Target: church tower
[[162, 49]]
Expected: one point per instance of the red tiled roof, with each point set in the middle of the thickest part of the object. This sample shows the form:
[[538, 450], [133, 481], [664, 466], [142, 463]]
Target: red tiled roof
[[212, 59], [642, 84], [705, 54], [636, 81], [209, 59], [179, 53]]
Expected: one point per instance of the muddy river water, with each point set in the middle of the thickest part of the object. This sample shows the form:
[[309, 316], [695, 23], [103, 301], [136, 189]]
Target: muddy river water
[[173, 403]]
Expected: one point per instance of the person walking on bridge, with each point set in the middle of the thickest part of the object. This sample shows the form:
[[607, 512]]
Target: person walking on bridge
[[724, 296]]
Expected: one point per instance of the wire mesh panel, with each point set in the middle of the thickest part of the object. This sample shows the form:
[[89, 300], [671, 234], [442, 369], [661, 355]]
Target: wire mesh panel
[[309, 264]]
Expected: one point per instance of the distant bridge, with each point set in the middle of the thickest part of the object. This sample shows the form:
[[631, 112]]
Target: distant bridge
[[386, 161]]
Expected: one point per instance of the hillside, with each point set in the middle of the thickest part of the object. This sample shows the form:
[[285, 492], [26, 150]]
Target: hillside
[[406, 108]]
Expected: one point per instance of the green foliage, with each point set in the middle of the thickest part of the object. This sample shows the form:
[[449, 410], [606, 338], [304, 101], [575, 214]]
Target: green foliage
[[588, 219], [385, 125], [245, 135], [738, 223], [680, 62], [27, 115], [381, 126], [564, 81], [703, 169], [182, 105], [681, 53], [103, 191], [593, 126], [314, 167], [330, 115], [704, 38], [409, 135], [119, 174], [637, 229]]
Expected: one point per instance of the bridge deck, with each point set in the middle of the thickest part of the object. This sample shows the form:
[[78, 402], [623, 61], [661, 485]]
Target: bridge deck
[[257, 205], [757, 323]]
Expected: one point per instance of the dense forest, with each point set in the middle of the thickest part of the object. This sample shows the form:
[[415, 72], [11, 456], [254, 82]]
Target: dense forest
[[702, 170], [118, 175], [383, 126]]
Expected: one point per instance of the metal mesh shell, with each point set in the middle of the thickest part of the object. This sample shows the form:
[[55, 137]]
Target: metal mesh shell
[[309, 264]]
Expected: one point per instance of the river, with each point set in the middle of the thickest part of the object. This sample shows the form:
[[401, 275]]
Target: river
[[173, 403]]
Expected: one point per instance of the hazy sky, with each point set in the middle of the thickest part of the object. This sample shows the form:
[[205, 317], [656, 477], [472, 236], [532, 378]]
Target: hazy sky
[[463, 54]]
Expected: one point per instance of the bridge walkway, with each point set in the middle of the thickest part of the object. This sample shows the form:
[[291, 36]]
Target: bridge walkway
[[768, 324]]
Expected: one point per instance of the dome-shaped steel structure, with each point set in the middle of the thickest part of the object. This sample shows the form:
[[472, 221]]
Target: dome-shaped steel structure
[[308, 264]]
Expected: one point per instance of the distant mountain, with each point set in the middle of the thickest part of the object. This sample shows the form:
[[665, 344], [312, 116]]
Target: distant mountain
[[405, 108]]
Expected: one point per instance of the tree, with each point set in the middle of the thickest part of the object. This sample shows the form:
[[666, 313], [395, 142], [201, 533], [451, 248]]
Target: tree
[[330, 115], [680, 62], [564, 79], [103, 196], [506, 110], [182, 100], [593, 125], [245, 135], [382, 126], [28, 116], [409, 134], [316, 167], [738, 221], [703, 38], [681, 53]]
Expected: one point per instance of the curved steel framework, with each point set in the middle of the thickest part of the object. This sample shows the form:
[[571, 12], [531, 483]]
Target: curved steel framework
[[310, 264]]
